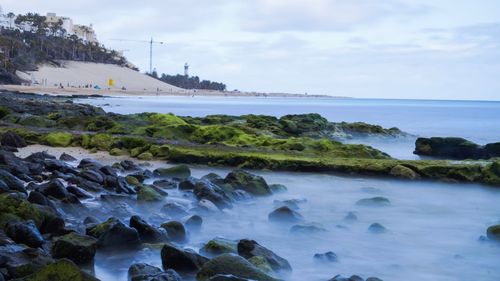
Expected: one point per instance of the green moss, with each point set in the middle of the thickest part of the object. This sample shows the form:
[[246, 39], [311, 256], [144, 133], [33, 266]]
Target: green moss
[[491, 173], [132, 181], [4, 112], [86, 141], [97, 230], [12, 207], [166, 119], [60, 139], [61, 270], [133, 142], [99, 124], [145, 156], [148, 194], [102, 141], [54, 116], [36, 121], [118, 152], [159, 151], [261, 263]]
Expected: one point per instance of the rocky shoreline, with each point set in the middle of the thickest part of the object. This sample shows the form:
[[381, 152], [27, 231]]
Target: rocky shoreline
[[306, 142]]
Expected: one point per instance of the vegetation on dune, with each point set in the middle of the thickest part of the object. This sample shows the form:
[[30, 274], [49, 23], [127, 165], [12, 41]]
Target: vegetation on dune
[[189, 82]]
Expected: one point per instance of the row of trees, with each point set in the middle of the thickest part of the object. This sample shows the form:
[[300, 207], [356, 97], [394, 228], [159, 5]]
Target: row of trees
[[190, 82], [24, 49]]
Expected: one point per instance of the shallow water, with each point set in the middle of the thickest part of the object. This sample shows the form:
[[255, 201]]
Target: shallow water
[[433, 228], [474, 120]]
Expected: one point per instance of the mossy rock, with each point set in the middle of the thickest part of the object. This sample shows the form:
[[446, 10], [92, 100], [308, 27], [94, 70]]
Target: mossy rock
[[166, 119], [132, 181], [145, 156], [261, 263], [4, 112], [61, 270], [219, 246], [36, 121], [176, 231], [159, 151], [97, 230], [134, 152], [58, 139], [493, 232], [403, 172], [80, 249], [133, 142], [491, 173], [179, 171], [13, 206], [102, 142], [253, 184], [231, 264], [148, 194], [99, 123], [118, 152]]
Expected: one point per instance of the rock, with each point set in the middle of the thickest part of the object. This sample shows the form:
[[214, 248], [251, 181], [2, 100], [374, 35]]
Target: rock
[[142, 175], [24, 233], [148, 194], [12, 181], [250, 248], [454, 148], [39, 157], [54, 188], [119, 236], [147, 232], [493, 232], [231, 264], [146, 272], [132, 181], [128, 165], [188, 184], [206, 190], [342, 278], [186, 261], [166, 184], [12, 139], [145, 156], [108, 171], [79, 248], [255, 185], [67, 158], [373, 279], [219, 246], [376, 228], [92, 175], [118, 152], [374, 202], [207, 206], [176, 231], [174, 210], [179, 172], [351, 216], [227, 277], [91, 164], [278, 188], [57, 139], [403, 172], [326, 257], [194, 223], [307, 229], [18, 261], [119, 184], [284, 214], [261, 263], [61, 270], [78, 192]]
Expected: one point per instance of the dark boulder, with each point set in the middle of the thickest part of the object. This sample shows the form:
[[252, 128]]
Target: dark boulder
[[113, 234], [284, 214], [250, 248], [129, 165], [13, 182], [36, 197], [67, 158], [78, 192], [24, 233], [188, 184], [18, 261], [108, 171], [176, 231], [174, 210], [80, 249], [147, 232], [58, 165], [88, 163], [455, 148], [12, 139], [227, 277], [493, 232], [61, 270], [54, 188], [166, 184], [219, 246], [181, 260], [253, 184], [146, 272], [92, 175], [231, 264], [194, 223], [39, 157], [212, 193]]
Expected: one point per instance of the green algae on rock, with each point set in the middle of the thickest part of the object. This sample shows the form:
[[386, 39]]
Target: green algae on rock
[[57, 139]]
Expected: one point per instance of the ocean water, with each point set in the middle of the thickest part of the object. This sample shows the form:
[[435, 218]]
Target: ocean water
[[478, 121], [433, 229]]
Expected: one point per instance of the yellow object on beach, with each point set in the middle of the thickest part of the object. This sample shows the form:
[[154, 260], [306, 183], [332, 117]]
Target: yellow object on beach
[[111, 82]]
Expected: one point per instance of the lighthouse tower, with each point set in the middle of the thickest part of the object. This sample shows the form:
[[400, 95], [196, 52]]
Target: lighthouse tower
[[186, 69]]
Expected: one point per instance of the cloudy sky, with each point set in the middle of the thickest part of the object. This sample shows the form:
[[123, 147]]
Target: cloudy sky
[[439, 49]]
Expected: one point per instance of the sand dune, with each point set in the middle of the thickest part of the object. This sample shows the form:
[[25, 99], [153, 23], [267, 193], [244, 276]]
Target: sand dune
[[79, 74]]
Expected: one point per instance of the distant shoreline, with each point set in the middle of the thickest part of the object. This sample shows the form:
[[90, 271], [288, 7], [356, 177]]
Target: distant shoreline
[[131, 93]]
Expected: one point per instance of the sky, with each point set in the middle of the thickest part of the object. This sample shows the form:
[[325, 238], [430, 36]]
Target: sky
[[427, 49]]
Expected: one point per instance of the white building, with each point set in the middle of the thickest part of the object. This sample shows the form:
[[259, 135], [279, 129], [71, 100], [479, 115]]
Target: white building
[[6, 21]]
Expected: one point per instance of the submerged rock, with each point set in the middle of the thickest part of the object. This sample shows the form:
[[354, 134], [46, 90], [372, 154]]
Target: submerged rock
[[174, 210], [326, 257], [375, 202], [194, 223], [278, 188], [113, 234], [376, 228], [253, 184], [250, 248], [284, 214], [342, 278], [181, 260], [231, 264], [455, 148], [148, 194], [179, 172], [493, 232], [351, 216], [146, 272], [219, 246], [307, 229], [79, 248]]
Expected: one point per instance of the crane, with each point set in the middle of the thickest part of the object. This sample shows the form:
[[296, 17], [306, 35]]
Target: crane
[[150, 42]]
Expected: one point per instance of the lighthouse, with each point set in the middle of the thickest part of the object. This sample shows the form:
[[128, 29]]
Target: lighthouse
[[186, 69]]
